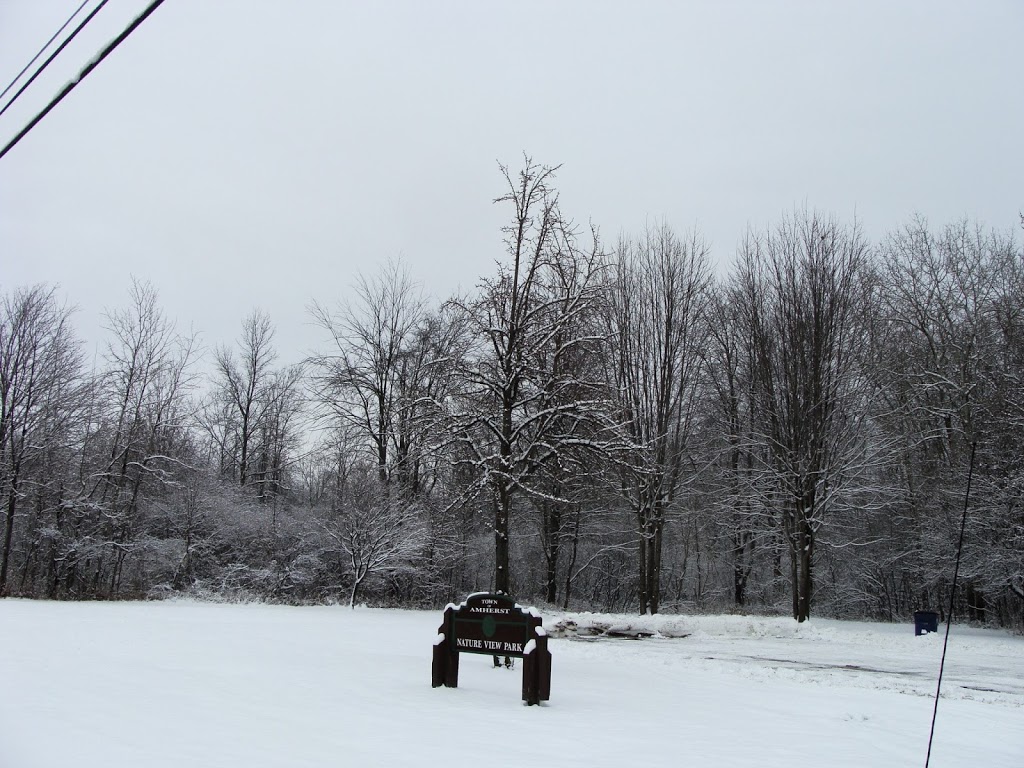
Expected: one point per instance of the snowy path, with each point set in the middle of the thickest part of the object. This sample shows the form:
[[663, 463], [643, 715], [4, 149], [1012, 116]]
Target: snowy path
[[149, 685]]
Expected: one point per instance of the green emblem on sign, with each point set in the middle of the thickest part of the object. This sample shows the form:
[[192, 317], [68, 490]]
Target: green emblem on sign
[[489, 626]]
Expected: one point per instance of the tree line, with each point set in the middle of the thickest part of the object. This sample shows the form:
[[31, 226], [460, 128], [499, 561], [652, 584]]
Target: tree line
[[595, 425]]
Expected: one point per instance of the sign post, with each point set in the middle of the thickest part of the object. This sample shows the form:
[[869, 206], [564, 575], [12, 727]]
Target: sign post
[[494, 625]]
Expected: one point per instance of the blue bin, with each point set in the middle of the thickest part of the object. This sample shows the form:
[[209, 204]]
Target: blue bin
[[925, 622]]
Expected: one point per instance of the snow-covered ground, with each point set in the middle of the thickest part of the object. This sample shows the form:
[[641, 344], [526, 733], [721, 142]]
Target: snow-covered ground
[[149, 685]]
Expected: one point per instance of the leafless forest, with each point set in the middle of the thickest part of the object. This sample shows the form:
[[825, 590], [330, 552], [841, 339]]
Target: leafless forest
[[598, 425]]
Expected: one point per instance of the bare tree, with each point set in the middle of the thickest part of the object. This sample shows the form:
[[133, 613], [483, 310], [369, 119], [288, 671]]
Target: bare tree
[[243, 390], [276, 435], [951, 371], [376, 532], [803, 295], [515, 413], [40, 366], [373, 379], [562, 489], [144, 416], [657, 332], [737, 490]]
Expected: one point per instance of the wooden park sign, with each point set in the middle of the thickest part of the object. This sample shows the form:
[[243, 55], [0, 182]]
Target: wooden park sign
[[494, 625]]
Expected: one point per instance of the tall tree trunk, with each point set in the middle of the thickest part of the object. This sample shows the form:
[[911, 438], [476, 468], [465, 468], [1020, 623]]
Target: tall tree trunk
[[739, 584], [572, 562], [642, 554], [552, 545], [651, 525], [502, 502], [12, 502], [794, 579], [655, 563], [740, 566], [804, 556], [355, 592]]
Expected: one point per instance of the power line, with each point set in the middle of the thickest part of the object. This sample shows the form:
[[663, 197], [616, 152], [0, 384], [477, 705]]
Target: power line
[[53, 56], [952, 595], [82, 75], [17, 77]]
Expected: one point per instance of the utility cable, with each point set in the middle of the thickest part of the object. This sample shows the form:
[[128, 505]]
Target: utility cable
[[53, 55], [952, 595], [82, 75], [17, 77]]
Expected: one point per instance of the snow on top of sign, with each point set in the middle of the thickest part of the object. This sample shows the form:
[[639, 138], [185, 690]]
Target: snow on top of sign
[[440, 639], [530, 647], [540, 631], [529, 609]]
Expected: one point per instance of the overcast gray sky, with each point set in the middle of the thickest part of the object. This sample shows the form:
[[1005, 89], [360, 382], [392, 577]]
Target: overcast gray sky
[[244, 153]]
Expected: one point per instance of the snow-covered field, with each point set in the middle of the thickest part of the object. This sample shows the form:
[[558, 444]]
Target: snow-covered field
[[149, 685]]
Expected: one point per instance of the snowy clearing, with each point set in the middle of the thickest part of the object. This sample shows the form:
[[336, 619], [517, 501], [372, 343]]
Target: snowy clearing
[[245, 686]]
